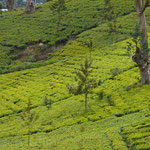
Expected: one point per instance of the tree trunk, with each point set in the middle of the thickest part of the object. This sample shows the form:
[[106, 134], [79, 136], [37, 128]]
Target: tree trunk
[[141, 55], [28, 141], [58, 22], [29, 133], [85, 102], [145, 74], [30, 8], [142, 20], [10, 5]]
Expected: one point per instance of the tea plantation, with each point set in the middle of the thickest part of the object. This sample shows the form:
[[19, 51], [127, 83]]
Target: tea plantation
[[118, 116], [19, 30]]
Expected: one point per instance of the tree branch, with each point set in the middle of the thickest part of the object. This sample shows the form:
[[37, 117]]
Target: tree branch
[[145, 6]]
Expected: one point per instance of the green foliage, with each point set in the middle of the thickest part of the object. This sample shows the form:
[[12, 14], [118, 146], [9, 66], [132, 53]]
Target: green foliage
[[63, 119], [137, 135], [31, 58], [110, 16], [115, 71], [85, 82], [101, 95], [28, 117], [130, 48], [123, 103], [48, 102], [136, 42], [58, 7], [81, 15]]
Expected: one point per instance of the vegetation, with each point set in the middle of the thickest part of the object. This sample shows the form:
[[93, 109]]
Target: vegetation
[[48, 102], [109, 15], [81, 15], [58, 7], [141, 56], [85, 82], [28, 119], [118, 112]]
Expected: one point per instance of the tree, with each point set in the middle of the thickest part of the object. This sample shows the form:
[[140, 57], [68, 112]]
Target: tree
[[10, 5], [110, 17], [20, 3], [0, 8], [28, 117], [58, 7], [141, 56], [30, 8], [85, 81]]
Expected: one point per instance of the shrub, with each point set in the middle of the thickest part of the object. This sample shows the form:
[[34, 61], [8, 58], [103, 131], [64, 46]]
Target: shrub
[[115, 71], [48, 102]]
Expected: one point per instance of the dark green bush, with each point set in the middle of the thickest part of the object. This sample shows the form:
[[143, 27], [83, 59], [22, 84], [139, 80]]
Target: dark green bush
[[115, 71]]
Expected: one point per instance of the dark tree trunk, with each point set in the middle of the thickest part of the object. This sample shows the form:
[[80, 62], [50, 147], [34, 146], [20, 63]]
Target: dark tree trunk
[[10, 5], [145, 74], [29, 133], [30, 8], [141, 56], [85, 102]]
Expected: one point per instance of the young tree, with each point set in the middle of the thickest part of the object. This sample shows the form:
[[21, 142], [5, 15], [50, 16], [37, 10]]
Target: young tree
[[110, 17], [28, 117], [59, 7], [141, 56], [10, 5], [85, 81], [71, 27]]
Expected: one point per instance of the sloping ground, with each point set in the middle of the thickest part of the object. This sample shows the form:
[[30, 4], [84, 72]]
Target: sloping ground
[[118, 109], [105, 134], [19, 30]]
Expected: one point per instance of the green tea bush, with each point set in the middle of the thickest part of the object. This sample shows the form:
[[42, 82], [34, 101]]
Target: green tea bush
[[115, 71], [107, 126], [48, 102], [80, 16]]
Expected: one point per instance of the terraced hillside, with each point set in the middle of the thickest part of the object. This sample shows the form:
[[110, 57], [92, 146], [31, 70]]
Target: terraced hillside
[[118, 109], [18, 30]]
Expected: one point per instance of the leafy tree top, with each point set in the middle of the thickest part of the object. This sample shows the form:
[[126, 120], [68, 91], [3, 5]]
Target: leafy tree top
[[59, 6]]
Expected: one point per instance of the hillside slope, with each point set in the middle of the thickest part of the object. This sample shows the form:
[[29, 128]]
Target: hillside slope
[[118, 109], [19, 31]]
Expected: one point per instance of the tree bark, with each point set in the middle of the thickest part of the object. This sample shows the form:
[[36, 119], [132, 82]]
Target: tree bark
[[141, 56], [145, 74], [29, 133], [30, 8], [85, 102], [10, 5]]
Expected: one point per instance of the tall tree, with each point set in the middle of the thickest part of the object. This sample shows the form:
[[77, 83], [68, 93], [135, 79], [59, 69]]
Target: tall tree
[[141, 56], [58, 8], [0, 8], [10, 4], [110, 17]]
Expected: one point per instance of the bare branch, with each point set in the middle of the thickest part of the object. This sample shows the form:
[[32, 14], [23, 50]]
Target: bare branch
[[144, 7]]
